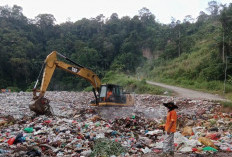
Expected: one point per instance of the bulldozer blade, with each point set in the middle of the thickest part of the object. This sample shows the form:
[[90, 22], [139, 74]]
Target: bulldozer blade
[[41, 106]]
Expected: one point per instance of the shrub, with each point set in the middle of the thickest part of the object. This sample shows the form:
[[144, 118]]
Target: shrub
[[130, 84], [227, 104], [214, 85], [106, 147]]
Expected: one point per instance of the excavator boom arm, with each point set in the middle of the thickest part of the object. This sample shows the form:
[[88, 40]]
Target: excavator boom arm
[[41, 104], [51, 63], [81, 72]]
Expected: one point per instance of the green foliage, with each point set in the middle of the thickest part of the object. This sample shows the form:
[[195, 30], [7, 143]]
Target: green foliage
[[31, 86], [212, 86], [201, 67], [130, 84], [13, 89], [88, 89], [226, 104], [185, 53], [125, 62], [119, 78], [105, 147], [228, 88], [89, 42]]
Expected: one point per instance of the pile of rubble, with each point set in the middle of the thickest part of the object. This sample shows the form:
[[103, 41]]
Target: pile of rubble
[[78, 129]]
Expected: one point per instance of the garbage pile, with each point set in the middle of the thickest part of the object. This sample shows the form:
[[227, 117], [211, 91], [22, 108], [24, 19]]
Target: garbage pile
[[73, 136], [209, 130], [80, 130]]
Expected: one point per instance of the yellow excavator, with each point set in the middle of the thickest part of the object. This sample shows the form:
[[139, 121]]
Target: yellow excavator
[[105, 95]]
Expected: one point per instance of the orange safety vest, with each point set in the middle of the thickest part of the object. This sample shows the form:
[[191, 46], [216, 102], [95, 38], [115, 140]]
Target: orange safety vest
[[172, 116], [109, 93]]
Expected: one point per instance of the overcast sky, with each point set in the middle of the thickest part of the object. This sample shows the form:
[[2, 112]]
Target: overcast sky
[[73, 10]]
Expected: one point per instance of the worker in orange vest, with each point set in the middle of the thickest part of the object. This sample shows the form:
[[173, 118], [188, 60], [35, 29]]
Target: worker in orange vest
[[109, 93], [170, 128]]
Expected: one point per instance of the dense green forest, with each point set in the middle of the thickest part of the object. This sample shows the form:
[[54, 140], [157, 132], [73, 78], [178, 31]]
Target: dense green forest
[[133, 45]]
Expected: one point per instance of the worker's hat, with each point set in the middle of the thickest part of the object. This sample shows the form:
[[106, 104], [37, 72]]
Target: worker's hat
[[170, 105]]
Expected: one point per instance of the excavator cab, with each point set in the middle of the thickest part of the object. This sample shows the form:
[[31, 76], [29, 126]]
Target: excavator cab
[[111, 94]]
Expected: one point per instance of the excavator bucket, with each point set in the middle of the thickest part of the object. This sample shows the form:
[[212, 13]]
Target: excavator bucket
[[41, 106]]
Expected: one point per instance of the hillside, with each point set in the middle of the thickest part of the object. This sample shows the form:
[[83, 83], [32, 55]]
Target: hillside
[[190, 53], [202, 67]]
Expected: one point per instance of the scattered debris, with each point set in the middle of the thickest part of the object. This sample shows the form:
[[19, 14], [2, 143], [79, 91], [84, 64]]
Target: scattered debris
[[78, 129]]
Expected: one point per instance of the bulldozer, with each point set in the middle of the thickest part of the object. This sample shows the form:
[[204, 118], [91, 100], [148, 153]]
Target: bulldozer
[[105, 94]]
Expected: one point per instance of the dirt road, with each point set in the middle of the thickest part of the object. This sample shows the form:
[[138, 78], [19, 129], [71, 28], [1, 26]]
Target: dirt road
[[188, 93]]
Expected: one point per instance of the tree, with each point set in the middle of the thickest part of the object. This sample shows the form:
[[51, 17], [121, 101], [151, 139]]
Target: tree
[[146, 16], [114, 17], [126, 62], [102, 44], [213, 8], [201, 19], [178, 27], [226, 22], [188, 19], [5, 11], [45, 23], [17, 12], [45, 20]]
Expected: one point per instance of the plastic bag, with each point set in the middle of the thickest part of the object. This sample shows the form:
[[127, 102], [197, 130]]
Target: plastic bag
[[3, 122], [193, 143], [209, 149], [186, 149], [187, 131], [146, 150], [207, 142], [214, 136], [159, 145], [11, 141], [179, 138], [155, 132], [28, 130]]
